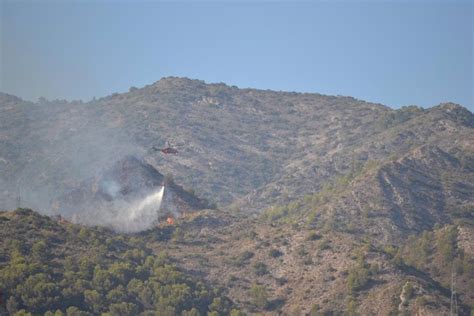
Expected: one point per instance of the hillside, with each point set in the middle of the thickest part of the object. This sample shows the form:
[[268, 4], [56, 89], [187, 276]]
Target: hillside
[[390, 200], [283, 203], [257, 146], [215, 261], [47, 266], [303, 270]]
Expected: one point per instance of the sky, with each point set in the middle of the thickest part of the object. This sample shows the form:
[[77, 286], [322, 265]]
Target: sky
[[392, 52]]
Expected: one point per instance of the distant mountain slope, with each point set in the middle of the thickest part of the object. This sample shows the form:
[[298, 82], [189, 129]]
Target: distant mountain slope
[[252, 146], [231, 141], [390, 200], [395, 134]]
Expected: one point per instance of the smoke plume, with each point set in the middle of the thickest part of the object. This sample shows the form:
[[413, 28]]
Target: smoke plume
[[124, 216]]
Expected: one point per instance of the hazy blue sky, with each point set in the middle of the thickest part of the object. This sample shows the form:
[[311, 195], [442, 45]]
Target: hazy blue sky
[[396, 53]]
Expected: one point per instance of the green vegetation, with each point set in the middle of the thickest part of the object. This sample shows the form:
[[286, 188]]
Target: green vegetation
[[437, 251], [351, 306], [236, 312], [315, 206], [242, 259], [349, 169], [314, 310], [399, 116], [324, 244], [82, 271], [359, 275], [259, 295], [446, 243], [260, 268], [313, 236], [437, 254], [283, 214]]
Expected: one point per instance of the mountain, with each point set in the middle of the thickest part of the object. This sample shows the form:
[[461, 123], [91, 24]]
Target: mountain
[[253, 145], [391, 199], [216, 261], [301, 203]]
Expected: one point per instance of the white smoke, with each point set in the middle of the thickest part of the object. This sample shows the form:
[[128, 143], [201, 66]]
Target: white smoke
[[112, 188], [142, 210], [80, 145], [127, 217]]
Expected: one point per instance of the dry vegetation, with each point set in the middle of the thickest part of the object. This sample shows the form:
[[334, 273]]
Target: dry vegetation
[[325, 205]]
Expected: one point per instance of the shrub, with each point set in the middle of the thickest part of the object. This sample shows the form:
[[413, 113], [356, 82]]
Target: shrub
[[242, 259], [236, 312], [351, 306], [324, 245], [259, 295], [260, 268], [314, 310], [313, 236], [446, 242], [358, 277], [275, 253]]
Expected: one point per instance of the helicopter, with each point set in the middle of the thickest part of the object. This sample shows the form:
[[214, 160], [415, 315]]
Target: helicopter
[[167, 150]]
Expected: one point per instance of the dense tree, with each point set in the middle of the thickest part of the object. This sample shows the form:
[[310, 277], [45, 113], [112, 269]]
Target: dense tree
[[38, 292], [220, 305], [446, 241], [191, 312], [12, 305], [123, 309], [94, 300], [236, 312], [125, 281], [22, 312], [39, 251]]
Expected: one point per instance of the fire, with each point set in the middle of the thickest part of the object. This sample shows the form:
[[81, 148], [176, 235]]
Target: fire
[[170, 220]]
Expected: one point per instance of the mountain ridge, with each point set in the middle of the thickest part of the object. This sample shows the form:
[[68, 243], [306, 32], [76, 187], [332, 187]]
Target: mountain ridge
[[324, 204], [202, 111], [166, 80]]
